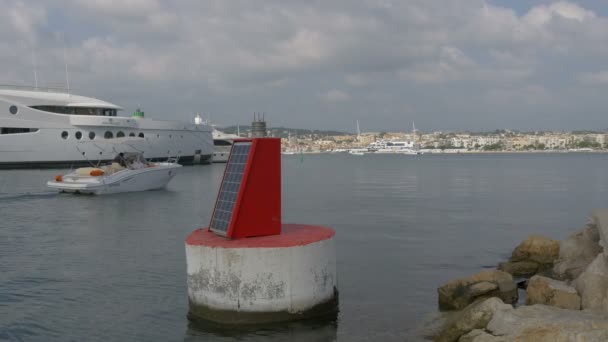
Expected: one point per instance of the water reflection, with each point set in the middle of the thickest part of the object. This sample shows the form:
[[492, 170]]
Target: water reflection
[[317, 330]]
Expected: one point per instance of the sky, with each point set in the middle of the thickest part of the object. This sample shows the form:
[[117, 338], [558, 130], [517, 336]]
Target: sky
[[445, 65]]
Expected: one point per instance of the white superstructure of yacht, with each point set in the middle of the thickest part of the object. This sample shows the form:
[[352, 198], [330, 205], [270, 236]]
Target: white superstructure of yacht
[[222, 144], [54, 128]]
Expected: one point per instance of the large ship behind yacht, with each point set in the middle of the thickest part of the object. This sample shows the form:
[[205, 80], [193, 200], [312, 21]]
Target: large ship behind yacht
[[54, 128]]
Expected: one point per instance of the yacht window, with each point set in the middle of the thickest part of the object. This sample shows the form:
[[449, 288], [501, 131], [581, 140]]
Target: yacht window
[[54, 109], [221, 143], [64, 135], [141, 135], [13, 109], [131, 134], [15, 130], [91, 135], [78, 135], [108, 112], [77, 110], [120, 134], [108, 135]]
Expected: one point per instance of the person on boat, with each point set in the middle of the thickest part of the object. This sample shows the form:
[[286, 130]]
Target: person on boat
[[120, 159]]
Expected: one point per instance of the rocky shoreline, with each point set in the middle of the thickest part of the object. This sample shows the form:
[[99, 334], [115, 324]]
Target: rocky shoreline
[[566, 292]]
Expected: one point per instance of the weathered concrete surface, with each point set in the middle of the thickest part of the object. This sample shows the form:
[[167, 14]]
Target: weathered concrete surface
[[547, 323], [519, 268], [474, 316], [592, 285], [543, 290], [458, 293], [538, 249], [243, 284], [576, 252]]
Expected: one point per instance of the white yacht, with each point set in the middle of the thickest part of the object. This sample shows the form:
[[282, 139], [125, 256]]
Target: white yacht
[[42, 127], [222, 143]]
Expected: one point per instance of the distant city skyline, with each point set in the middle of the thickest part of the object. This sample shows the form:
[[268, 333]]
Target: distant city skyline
[[447, 65]]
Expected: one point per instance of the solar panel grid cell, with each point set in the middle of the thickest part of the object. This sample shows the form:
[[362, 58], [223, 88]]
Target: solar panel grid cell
[[224, 207]]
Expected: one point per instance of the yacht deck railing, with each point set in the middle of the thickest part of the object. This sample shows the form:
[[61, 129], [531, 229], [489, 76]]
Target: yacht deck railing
[[34, 88]]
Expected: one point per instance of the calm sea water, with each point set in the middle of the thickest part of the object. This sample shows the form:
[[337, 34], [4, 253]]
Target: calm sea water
[[112, 268]]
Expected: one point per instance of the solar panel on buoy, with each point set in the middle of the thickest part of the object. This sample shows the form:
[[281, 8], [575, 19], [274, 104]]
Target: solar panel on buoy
[[235, 168], [249, 200]]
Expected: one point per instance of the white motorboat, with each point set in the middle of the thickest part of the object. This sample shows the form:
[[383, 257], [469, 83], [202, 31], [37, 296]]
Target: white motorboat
[[42, 127], [127, 173]]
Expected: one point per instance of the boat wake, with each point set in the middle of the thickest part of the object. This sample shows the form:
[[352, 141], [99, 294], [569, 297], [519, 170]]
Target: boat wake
[[25, 195]]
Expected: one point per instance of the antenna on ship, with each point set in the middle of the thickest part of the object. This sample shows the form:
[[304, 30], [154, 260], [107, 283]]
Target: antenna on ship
[[65, 61], [35, 68]]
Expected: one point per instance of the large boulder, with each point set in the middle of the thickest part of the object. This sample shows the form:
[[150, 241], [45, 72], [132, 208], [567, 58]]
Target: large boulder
[[479, 335], [576, 252], [599, 217], [458, 293], [519, 268], [547, 323], [543, 290], [538, 249], [474, 316], [592, 284]]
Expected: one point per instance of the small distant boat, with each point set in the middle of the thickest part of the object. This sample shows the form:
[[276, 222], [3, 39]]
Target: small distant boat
[[129, 172], [411, 152], [288, 152], [356, 152]]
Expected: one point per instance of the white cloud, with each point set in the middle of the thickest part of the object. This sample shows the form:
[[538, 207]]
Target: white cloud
[[542, 15], [336, 95], [25, 20]]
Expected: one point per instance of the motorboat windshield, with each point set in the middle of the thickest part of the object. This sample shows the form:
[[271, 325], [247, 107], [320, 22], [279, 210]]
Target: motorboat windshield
[[131, 160]]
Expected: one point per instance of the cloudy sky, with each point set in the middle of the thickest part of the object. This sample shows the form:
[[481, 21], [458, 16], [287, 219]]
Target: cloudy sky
[[447, 65]]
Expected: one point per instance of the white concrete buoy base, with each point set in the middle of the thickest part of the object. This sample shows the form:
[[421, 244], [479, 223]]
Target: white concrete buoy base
[[265, 279]]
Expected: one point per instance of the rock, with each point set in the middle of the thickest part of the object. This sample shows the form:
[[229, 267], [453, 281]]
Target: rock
[[536, 248], [547, 323], [474, 316], [576, 252], [519, 268], [458, 293], [478, 335], [432, 325], [592, 285], [599, 218], [481, 288], [543, 290]]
